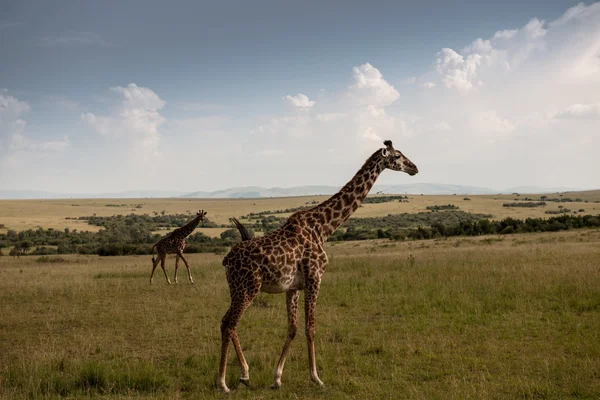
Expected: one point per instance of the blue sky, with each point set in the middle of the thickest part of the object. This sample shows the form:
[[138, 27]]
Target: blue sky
[[111, 96]]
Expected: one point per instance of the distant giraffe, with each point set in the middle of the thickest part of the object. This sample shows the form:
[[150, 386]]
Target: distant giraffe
[[291, 259], [174, 243]]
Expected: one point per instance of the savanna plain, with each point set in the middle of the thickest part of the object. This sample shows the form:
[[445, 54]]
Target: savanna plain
[[493, 317]]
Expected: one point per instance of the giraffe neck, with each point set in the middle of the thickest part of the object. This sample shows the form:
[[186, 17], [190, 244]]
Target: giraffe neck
[[337, 209], [188, 228]]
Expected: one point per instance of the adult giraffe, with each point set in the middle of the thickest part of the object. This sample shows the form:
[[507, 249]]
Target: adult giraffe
[[292, 258]]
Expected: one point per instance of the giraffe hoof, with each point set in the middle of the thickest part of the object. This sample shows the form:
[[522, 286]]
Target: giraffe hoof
[[245, 381]]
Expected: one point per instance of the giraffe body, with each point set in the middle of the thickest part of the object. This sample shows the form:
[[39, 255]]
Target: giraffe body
[[174, 243], [291, 259]]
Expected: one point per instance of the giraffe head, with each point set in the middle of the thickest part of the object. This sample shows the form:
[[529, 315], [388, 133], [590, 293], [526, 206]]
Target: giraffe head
[[202, 215], [396, 161]]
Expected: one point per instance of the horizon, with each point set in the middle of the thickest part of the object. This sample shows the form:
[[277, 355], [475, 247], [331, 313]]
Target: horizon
[[428, 189], [193, 96]]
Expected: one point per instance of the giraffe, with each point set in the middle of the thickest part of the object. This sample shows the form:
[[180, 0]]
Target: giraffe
[[174, 243], [292, 258]]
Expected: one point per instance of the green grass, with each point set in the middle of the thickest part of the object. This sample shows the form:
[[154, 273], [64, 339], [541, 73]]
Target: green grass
[[445, 319]]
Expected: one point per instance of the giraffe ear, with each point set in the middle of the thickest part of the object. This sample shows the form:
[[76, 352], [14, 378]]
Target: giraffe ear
[[384, 152]]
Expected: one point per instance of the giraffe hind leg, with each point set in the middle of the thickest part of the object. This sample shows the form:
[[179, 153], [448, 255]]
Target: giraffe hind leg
[[176, 267], [155, 262], [162, 265], [245, 377], [240, 300]]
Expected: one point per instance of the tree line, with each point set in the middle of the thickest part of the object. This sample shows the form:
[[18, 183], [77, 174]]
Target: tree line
[[132, 234]]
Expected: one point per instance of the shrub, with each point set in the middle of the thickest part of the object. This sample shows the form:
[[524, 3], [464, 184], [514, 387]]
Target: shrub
[[525, 204], [47, 259], [442, 207], [43, 250]]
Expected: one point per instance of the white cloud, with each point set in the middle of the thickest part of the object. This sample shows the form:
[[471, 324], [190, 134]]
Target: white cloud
[[489, 125], [455, 70], [370, 134], [370, 88], [136, 120], [13, 126], [299, 101], [505, 34], [478, 46], [581, 111], [428, 85], [73, 38], [136, 97]]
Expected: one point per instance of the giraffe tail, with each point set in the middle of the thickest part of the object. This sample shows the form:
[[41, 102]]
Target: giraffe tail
[[243, 231], [153, 251]]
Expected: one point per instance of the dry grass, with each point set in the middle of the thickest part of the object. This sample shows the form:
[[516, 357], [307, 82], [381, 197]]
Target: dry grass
[[487, 317]]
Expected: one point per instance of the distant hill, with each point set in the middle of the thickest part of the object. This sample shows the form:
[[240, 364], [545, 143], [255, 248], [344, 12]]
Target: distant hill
[[258, 191], [536, 189], [411, 188]]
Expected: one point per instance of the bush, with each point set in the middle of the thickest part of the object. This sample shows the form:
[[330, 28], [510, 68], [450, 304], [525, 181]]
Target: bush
[[525, 204], [442, 207], [46, 259], [43, 250]]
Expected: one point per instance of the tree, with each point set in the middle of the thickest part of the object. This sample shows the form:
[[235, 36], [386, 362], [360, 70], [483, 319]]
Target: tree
[[231, 235]]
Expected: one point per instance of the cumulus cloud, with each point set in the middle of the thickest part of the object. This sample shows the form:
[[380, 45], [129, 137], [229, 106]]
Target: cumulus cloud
[[299, 101], [581, 111], [455, 70], [136, 120], [570, 45], [370, 88]]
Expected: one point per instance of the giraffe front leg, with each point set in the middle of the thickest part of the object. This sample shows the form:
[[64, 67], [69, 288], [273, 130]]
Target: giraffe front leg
[[187, 265], [292, 297], [310, 305]]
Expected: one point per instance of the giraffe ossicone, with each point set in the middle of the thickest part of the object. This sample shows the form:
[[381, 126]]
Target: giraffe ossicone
[[291, 259], [174, 243]]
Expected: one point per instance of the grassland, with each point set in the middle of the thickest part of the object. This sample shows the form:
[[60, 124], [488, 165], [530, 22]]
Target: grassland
[[486, 317], [30, 214]]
